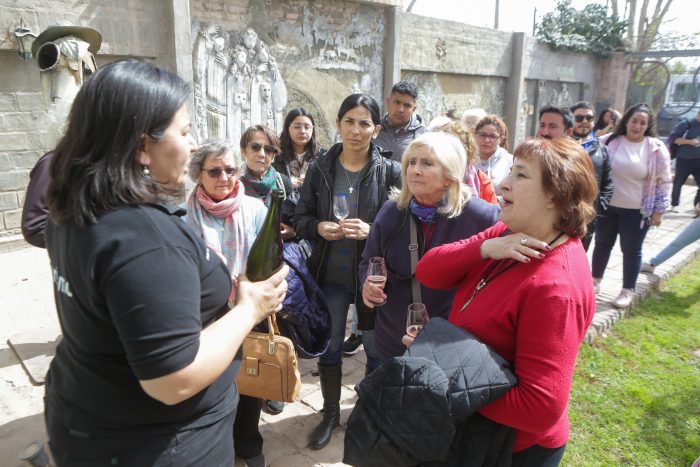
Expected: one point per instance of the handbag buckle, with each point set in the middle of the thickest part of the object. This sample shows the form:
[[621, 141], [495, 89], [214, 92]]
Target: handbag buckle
[[251, 366], [271, 347], [412, 246]]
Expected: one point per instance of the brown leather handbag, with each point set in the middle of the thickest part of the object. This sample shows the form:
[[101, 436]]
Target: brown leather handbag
[[269, 368]]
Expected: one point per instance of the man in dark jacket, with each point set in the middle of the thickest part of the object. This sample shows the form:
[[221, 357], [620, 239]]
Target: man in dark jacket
[[557, 122], [584, 118], [400, 125]]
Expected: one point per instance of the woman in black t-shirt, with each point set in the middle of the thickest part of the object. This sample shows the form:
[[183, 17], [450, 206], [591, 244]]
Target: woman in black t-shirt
[[145, 372]]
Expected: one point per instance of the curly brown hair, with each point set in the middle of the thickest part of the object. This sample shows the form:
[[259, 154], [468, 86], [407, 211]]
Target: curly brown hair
[[500, 125]]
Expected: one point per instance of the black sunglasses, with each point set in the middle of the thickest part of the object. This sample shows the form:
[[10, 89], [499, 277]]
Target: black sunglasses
[[580, 118], [215, 172], [269, 149]]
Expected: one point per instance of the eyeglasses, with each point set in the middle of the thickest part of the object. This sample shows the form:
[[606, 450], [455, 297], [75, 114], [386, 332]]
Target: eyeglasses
[[302, 126], [580, 118], [270, 150], [215, 172], [487, 136]]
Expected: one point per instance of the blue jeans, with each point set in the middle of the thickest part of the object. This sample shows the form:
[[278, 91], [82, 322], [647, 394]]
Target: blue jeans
[[626, 223], [353, 326], [339, 297], [690, 234], [684, 168]]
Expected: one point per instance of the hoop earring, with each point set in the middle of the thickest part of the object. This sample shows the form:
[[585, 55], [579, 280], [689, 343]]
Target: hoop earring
[[146, 172]]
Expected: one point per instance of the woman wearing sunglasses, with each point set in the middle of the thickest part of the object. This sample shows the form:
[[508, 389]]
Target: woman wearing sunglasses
[[228, 221], [259, 147]]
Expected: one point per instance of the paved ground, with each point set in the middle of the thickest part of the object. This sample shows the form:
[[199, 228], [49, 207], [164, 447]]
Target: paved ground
[[27, 315]]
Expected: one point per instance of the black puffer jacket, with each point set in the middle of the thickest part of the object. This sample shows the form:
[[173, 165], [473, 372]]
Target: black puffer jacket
[[316, 205], [421, 408]]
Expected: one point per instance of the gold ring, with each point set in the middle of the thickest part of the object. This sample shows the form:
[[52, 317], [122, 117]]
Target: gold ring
[[523, 241]]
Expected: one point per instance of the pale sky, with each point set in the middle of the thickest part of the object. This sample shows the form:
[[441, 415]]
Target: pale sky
[[517, 15]]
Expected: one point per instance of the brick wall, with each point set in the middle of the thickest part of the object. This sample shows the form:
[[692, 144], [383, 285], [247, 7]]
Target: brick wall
[[23, 137]]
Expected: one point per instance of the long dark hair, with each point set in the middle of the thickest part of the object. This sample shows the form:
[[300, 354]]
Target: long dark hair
[[621, 127], [95, 167], [357, 100], [600, 124], [287, 146]]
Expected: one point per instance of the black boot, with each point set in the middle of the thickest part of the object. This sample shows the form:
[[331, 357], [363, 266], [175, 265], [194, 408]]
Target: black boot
[[330, 388]]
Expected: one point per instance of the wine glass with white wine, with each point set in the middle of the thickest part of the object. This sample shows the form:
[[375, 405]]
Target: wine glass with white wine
[[340, 206]]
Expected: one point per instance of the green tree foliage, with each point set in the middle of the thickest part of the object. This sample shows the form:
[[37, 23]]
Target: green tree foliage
[[590, 30]]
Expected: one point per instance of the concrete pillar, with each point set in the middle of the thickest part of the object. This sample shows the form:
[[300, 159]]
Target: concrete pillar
[[392, 51], [515, 87], [181, 40]]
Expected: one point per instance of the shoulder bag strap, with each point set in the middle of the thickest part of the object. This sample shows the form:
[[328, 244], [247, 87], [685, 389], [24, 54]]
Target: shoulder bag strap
[[413, 249]]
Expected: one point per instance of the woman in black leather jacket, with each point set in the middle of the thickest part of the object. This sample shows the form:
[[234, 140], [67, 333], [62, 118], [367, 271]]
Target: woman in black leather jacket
[[358, 169]]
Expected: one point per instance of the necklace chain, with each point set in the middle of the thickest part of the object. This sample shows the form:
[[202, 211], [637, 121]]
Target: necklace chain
[[348, 178]]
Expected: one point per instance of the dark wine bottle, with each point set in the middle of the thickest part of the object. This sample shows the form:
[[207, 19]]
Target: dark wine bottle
[[266, 255]]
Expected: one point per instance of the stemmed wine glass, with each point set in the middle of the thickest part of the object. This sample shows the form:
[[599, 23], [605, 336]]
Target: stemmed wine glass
[[340, 206], [416, 319], [376, 273]]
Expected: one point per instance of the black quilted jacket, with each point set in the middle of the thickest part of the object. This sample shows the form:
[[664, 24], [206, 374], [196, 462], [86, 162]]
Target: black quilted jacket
[[420, 409]]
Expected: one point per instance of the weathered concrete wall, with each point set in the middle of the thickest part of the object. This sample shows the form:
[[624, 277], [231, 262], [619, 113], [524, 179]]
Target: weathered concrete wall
[[461, 66], [322, 49]]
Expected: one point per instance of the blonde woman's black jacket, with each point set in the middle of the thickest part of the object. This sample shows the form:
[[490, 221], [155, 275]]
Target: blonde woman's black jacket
[[316, 205]]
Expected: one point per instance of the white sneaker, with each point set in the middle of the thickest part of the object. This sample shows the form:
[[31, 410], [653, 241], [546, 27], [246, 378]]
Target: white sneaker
[[647, 267], [624, 299]]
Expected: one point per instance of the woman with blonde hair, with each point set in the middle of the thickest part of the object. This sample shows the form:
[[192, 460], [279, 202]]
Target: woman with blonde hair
[[435, 200]]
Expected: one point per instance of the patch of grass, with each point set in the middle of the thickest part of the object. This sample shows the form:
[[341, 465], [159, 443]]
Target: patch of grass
[[635, 399]]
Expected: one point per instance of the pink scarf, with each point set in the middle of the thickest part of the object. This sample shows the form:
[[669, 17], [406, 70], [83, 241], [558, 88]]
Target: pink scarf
[[202, 212]]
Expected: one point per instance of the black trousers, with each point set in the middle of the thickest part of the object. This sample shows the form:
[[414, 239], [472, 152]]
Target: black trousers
[[247, 440], [537, 456], [202, 447]]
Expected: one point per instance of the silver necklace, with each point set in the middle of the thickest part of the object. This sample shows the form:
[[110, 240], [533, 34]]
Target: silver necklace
[[348, 178]]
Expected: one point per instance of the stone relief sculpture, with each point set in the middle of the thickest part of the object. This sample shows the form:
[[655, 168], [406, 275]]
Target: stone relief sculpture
[[236, 84]]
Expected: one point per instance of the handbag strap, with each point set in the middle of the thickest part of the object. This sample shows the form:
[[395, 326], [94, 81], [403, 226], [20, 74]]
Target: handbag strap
[[272, 327], [413, 249]]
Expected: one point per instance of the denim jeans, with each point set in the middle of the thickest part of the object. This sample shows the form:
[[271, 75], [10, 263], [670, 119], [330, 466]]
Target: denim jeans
[[339, 298], [690, 234], [353, 326], [684, 168], [626, 223]]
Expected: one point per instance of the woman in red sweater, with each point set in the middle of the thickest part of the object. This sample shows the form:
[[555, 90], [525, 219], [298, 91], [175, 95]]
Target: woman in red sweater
[[524, 289]]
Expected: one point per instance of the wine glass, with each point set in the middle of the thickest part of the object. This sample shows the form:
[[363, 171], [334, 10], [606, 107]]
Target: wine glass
[[340, 206], [417, 318], [376, 273]]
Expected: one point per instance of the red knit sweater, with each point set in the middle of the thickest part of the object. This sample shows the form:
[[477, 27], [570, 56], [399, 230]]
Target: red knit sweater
[[534, 315]]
